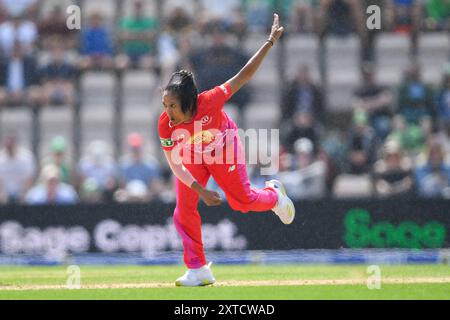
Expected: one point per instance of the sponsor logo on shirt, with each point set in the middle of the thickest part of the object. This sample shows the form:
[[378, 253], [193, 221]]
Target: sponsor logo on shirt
[[206, 120], [180, 138], [202, 137], [166, 142]]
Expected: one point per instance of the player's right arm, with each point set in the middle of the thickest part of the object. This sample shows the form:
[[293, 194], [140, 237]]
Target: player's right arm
[[247, 72], [211, 198], [172, 154]]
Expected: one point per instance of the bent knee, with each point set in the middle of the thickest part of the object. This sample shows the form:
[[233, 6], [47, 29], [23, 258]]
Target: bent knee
[[240, 206]]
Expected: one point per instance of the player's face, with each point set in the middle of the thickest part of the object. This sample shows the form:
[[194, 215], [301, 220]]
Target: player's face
[[172, 107]]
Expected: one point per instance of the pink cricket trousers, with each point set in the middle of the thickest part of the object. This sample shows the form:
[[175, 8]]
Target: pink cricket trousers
[[240, 195]]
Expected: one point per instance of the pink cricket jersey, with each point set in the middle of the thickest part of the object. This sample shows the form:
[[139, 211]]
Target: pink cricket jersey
[[208, 127]]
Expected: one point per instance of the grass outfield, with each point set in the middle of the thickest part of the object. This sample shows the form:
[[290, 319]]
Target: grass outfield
[[268, 282]]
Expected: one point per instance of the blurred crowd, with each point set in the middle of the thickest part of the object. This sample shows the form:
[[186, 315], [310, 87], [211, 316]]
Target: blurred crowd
[[397, 144]]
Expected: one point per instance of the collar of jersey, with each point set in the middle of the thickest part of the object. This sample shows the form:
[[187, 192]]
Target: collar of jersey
[[190, 121]]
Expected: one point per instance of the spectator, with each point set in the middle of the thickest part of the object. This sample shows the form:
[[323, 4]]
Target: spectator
[[393, 173], [51, 190], [405, 17], [286, 160], [304, 16], [220, 9], [96, 45], [332, 152], [17, 170], [26, 8], [302, 126], [134, 192], [20, 30], [57, 78], [134, 167], [90, 191], [176, 39], [179, 21], [302, 94], [53, 27], [443, 99], [433, 173], [58, 159], [376, 101], [168, 56], [19, 79], [362, 145], [259, 13], [340, 17], [138, 39], [98, 170], [411, 136], [438, 14], [218, 63], [228, 14], [415, 98], [401, 15], [308, 180]]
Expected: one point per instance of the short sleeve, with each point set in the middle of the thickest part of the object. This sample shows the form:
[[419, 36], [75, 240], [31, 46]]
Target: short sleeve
[[165, 134], [217, 96]]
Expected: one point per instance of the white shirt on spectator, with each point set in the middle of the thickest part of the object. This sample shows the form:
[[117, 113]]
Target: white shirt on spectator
[[16, 172], [221, 8], [101, 171], [65, 194], [17, 7], [15, 81], [306, 183], [26, 34]]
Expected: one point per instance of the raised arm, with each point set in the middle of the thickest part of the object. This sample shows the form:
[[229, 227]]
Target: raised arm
[[247, 72]]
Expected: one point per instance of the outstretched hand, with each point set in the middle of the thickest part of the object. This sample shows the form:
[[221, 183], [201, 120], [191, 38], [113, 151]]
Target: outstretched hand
[[277, 30], [211, 198], [247, 72]]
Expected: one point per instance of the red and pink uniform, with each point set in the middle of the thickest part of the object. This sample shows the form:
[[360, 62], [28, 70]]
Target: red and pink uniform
[[217, 131]]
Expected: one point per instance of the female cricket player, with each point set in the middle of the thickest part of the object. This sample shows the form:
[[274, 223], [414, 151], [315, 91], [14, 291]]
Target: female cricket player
[[194, 127]]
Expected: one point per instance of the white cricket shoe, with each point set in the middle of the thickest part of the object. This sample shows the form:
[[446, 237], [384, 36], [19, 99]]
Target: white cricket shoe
[[196, 277], [284, 208]]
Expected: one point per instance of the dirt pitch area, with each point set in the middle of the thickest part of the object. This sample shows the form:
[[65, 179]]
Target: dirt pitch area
[[241, 283]]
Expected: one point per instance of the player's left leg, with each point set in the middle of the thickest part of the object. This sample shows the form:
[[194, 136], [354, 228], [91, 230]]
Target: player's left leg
[[234, 181], [232, 178], [241, 196]]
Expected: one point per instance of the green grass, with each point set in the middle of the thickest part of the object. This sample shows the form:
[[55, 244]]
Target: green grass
[[92, 275]]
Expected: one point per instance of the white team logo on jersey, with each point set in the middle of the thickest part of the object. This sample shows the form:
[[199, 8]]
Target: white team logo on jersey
[[206, 120], [224, 89]]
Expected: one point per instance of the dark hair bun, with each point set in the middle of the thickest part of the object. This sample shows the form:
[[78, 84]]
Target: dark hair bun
[[185, 76], [182, 84]]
